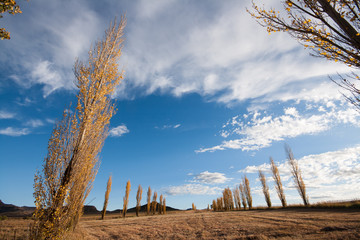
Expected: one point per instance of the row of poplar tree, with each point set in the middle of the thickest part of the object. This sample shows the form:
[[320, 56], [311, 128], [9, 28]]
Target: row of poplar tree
[[241, 195], [151, 208]]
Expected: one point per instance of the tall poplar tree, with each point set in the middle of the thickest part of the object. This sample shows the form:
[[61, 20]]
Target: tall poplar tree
[[72, 161]]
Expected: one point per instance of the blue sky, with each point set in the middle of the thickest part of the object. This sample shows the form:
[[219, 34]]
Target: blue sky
[[208, 96]]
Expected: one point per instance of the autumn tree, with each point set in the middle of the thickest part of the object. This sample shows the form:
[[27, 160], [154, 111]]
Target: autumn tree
[[193, 207], [220, 203], [154, 203], [228, 199], [237, 199], [247, 191], [107, 194], [278, 184], [148, 201], [265, 188], [76, 141], [295, 170], [243, 195], [160, 208], [11, 7], [214, 205], [126, 198], [138, 200], [164, 206], [329, 28]]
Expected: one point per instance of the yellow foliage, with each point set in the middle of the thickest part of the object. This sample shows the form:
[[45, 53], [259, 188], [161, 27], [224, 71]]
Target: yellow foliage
[[331, 26], [11, 7], [72, 161]]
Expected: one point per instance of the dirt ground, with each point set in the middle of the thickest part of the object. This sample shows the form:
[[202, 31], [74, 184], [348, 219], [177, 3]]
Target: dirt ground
[[255, 224]]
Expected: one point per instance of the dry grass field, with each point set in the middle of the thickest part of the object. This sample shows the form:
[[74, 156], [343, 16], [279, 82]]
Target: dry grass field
[[302, 223]]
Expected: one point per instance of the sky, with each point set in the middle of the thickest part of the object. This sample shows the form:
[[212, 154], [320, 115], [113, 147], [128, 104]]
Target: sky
[[208, 97]]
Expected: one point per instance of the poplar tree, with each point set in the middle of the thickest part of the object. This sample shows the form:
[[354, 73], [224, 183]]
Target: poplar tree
[[278, 184], [71, 164], [295, 170], [107, 194], [148, 201], [265, 188], [138, 200], [164, 206], [243, 195], [247, 191], [154, 203], [126, 198]]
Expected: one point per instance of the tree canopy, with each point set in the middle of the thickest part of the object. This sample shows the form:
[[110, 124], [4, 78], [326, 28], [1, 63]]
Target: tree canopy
[[11, 7], [330, 28]]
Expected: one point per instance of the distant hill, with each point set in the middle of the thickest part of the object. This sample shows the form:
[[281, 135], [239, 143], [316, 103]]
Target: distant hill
[[11, 210]]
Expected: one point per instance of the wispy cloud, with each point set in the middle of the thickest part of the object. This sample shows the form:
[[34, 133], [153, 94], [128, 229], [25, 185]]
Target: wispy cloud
[[118, 131], [6, 115], [218, 58], [211, 178], [65, 34], [192, 189], [167, 126], [335, 173], [259, 131], [34, 123], [14, 132]]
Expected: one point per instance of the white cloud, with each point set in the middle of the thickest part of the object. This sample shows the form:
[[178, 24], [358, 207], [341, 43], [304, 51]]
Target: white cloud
[[34, 123], [211, 178], [173, 47], [260, 132], [62, 34], [14, 132], [6, 115], [219, 58], [118, 131], [192, 189], [44, 73], [336, 174], [167, 126]]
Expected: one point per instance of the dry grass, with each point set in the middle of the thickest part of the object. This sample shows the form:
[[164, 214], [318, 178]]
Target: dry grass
[[303, 223], [283, 223]]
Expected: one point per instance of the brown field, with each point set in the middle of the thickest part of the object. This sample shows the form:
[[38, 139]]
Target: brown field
[[302, 223]]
